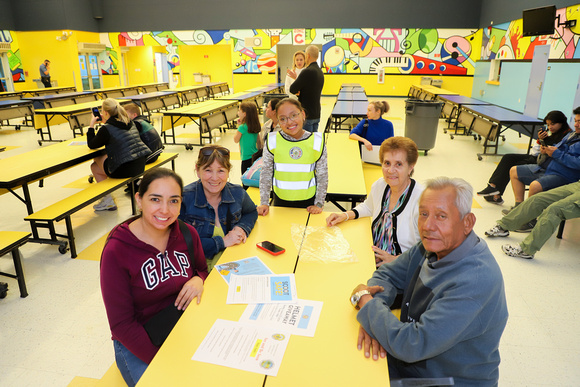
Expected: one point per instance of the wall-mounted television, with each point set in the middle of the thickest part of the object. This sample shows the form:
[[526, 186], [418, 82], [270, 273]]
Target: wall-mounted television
[[539, 21]]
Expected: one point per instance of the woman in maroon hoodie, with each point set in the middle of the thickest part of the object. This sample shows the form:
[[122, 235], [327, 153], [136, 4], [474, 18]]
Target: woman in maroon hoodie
[[145, 267]]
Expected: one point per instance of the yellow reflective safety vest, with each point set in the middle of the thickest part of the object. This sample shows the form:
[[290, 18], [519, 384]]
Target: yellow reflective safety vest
[[294, 165]]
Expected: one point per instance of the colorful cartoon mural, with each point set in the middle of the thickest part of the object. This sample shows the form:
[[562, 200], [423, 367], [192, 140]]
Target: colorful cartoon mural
[[505, 41], [367, 50], [344, 51], [14, 60]]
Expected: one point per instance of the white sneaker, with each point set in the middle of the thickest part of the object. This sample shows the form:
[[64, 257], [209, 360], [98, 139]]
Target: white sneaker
[[106, 204], [515, 250]]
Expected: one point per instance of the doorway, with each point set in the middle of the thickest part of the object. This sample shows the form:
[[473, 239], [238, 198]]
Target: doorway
[[5, 74], [90, 73]]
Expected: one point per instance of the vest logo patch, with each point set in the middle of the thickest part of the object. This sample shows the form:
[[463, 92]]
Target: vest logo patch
[[295, 153]]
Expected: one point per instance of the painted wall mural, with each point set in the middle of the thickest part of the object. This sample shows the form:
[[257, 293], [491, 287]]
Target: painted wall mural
[[14, 60], [344, 51], [505, 41]]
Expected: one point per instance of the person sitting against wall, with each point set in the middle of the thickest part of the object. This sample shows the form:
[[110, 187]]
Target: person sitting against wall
[[222, 213], [126, 154], [563, 167], [294, 163], [392, 202], [374, 129], [147, 131], [298, 63], [557, 128], [146, 266]]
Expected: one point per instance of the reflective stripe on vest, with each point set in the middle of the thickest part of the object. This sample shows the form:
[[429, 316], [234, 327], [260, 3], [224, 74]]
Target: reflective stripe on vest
[[294, 165]]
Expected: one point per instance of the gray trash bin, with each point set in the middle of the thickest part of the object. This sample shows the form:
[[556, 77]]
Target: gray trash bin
[[421, 120]]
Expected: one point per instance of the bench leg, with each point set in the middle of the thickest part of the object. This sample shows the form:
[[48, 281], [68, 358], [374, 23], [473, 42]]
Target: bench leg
[[561, 229], [17, 258], [71, 237]]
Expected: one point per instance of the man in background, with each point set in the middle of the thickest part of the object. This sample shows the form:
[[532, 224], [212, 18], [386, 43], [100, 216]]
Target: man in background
[[45, 73], [308, 87]]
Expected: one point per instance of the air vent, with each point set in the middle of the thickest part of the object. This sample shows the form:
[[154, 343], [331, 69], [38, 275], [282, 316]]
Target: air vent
[[91, 47]]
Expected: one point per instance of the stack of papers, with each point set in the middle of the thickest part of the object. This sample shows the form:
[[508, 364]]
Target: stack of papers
[[257, 342]]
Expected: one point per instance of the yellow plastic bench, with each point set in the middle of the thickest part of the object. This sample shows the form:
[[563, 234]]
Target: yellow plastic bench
[[47, 217], [10, 241]]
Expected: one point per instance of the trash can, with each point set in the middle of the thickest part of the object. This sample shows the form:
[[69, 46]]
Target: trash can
[[421, 120]]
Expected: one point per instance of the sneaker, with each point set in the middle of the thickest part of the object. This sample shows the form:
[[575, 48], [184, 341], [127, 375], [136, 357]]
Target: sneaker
[[106, 204], [506, 211], [493, 199], [497, 231], [514, 250], [527, 227], [488, 191]]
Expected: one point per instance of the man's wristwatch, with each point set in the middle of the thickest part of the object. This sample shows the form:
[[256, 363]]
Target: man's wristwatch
[[355, 298]]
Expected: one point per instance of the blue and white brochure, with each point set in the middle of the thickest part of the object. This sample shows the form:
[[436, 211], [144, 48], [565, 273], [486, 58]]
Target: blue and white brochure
[[299, 319], [262, 289], [246, 266]]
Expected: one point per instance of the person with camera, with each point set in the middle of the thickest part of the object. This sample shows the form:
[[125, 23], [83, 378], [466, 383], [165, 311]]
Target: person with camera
[[556, 129], [126, 154]]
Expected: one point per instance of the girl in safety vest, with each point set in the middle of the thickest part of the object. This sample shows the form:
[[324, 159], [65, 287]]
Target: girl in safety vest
[[294, 163]]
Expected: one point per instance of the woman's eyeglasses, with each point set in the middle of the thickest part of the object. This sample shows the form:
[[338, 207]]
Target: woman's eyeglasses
[[208, 151], [294, 117]]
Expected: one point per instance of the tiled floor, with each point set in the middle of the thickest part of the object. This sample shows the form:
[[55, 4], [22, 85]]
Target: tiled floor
[[60, 331]]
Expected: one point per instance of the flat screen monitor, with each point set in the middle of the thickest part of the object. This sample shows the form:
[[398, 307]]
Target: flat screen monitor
[[539, 21]]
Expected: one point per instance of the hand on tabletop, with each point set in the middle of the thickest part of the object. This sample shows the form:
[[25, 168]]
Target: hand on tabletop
[[314, 209], [190, 290], [263, 209], [370, 345], [335, 218], [236, 236], [382, 256]]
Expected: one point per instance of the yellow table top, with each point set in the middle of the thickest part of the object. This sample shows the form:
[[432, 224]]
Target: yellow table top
[[200, 109], [75, 108], [182, 89], [47, 90], [345, 174], [331, 357], [173, 365], [435, 90], [43, 161], [9, 238]]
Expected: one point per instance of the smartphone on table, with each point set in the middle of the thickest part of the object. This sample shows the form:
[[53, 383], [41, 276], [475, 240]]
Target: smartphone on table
[[270, 247], [97, 114]]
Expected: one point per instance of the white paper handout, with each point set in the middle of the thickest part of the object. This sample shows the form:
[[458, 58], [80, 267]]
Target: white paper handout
[[246, 266], [260, 289], [246, 347], [300, 318]]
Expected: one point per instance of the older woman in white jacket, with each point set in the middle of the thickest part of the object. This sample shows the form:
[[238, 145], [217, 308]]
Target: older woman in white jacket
[[392, 202]]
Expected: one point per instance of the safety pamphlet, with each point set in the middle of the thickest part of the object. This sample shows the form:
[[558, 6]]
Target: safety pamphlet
[[246, 266], [246, 347], [262, 289], [300, 318]]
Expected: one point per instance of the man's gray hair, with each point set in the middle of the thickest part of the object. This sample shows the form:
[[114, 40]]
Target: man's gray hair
[[313, 51], [463, 191]]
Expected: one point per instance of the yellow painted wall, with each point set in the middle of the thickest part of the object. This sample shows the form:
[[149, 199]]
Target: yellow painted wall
[[140, 65], [212, 60], [394, 85], [111, 80], [249, 81], [35, 47]]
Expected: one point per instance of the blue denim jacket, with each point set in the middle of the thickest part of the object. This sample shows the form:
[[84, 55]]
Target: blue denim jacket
[[235, 209]]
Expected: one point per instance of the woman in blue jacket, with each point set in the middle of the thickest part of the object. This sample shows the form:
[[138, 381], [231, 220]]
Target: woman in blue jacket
[[222, 213]]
